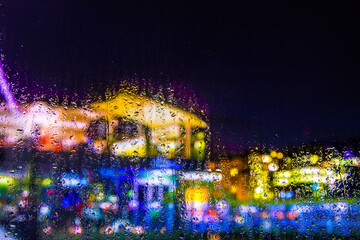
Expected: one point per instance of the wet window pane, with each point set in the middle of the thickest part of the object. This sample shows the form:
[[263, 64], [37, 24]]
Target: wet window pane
[[178, 121]]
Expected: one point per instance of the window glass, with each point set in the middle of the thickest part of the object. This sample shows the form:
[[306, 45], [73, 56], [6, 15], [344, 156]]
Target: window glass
[[199, 120]]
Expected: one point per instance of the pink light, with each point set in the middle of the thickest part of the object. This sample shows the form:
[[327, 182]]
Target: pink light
[[7, 93]]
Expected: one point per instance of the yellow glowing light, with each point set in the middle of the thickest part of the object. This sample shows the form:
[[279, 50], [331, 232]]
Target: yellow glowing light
[[268, 195], [6, 180], [314, 159], [279, 155], [200, 135], [147, 111], [215, 236], [326, 164], [233, 189], [273, 154], [234, 172], [287, 174], [266, 159], [200, 194], [46, 182]]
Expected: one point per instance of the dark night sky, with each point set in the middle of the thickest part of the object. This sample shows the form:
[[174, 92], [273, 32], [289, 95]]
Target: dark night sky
[[271, 74]]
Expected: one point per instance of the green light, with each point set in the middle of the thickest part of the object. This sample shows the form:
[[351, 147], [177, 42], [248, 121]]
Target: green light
[[130, 193]]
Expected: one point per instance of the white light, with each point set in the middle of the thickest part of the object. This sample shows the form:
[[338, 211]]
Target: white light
[[342, 207], [273, 167], [138, 230], [133, 144], [198, 205], [44, 210], [201, 176], [69, 143], [266, 159], [282, 194], [155, 205], [247, 209], [310, 170], [239, 220], [198, 144], [133, 204], [287, 174], [113, 198], [259, 190], [105, 205]]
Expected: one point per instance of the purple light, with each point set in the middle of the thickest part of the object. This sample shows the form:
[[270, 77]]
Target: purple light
[[348, 155], [7, 93]]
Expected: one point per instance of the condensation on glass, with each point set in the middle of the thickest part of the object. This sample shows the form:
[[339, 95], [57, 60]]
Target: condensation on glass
[[131, 166]]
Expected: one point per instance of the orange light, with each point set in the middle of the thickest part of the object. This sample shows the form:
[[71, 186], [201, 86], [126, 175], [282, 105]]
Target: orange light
[[280, 215], [291, 215]]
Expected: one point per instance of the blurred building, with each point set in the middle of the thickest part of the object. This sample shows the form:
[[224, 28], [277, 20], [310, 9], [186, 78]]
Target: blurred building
[[115, 160], [300, 173], [307, 172]]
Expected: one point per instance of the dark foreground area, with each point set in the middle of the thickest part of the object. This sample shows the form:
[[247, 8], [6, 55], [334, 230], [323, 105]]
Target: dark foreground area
[[251, 234]]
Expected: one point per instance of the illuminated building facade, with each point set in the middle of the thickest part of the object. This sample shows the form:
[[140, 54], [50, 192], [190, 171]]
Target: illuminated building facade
[[118, 159], [311, 172], [300, 174]]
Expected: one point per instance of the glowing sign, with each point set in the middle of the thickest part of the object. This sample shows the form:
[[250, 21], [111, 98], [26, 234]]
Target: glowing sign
[[201, 176]]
